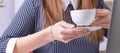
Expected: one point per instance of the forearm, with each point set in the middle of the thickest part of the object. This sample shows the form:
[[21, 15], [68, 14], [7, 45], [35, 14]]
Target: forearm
[[33, 41]]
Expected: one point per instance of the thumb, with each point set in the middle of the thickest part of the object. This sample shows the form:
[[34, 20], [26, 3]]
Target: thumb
[[66, 25]]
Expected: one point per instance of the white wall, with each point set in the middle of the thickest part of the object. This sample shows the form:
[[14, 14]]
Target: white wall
[[6, 14], [18, 3]]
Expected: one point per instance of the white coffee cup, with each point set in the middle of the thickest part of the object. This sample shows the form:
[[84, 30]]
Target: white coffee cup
[[83, 17]]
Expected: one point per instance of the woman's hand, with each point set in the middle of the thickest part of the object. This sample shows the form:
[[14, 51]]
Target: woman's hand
[[103, 18], [66, 32], [60, 31]]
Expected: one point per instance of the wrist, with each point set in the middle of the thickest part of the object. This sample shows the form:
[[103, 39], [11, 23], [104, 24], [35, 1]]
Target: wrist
[[33, 41], [45, 34], [48, 33]]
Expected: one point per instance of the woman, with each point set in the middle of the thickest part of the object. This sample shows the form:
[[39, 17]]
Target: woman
[[37, 27]]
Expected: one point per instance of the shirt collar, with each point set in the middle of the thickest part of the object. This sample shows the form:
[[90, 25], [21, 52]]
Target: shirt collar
[[66, 3]]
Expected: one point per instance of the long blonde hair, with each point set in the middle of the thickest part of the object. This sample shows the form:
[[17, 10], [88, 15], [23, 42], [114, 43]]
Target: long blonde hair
[[53, 12]]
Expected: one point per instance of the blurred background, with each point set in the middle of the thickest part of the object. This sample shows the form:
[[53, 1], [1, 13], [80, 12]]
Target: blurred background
[[8, 9]]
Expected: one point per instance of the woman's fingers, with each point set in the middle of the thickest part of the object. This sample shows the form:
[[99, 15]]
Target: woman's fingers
[[99, 21], [70, 39], [66, 32], [65, 24], [60, 27], [102, 22], [104, 25], [77, 32], [74, 31], [102, 12], [103, 18]]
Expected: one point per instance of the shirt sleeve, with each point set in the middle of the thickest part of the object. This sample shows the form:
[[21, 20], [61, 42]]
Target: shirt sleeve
[[11, 45], [22, 24]]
